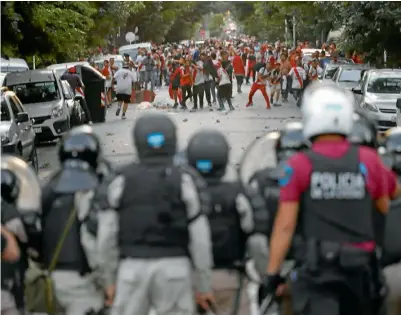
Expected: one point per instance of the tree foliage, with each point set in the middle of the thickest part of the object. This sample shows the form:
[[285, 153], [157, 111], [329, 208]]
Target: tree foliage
[[216, 25], [369, 26], [59, 31]]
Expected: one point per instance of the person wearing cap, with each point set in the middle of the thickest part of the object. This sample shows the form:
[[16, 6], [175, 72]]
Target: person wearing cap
[[125, 79]]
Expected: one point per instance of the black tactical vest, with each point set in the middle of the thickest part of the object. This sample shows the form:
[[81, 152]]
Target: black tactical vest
[[392, 239], [337, 206], [269, 189], [72, 256], [228, 239], [153, 217]]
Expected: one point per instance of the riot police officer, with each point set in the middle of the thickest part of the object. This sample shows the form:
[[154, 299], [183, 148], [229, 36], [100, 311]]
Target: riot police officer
[[158, 224], [238, 219], [330, 189], [20, 203], [392, 244], [66, 243]]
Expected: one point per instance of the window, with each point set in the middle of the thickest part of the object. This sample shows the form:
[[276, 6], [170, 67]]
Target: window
[[14, 107], [383, 84], [67, 89], [5, 112], [350, 75], [330, 72], [38, 92], [18, 103]]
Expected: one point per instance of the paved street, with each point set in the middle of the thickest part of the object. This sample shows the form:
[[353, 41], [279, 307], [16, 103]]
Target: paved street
[[241, 126]]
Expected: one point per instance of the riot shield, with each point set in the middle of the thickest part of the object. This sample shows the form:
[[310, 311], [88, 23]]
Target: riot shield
[[260, 155], [30, 194], [75, 176]]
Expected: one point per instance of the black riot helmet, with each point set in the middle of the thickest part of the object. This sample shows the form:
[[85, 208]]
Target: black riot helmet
[[10, 186], [392, 146], [291, 140], [364, 131], [80, 144], [155, 136], [208, 152]]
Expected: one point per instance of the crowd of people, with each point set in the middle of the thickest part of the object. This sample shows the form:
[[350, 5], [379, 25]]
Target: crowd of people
[[204, 73]]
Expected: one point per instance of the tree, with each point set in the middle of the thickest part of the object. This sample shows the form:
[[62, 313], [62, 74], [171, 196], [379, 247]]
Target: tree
[[217, 23]]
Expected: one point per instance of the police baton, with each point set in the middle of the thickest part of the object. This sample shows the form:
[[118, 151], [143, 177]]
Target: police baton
[[266, 304]]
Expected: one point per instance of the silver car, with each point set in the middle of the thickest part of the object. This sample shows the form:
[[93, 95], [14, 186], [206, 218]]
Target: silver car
[[349, 76], [378, 94], [47, 101], [17, 135]]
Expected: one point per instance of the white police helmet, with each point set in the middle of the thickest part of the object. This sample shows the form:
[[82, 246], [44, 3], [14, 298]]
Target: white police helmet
[[327, 109]]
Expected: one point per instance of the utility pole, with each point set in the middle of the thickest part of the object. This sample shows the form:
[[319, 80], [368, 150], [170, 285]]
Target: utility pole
[[286, 31], [294, 35]]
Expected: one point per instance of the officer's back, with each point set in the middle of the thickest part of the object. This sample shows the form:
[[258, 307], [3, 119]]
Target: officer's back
[[159, 225], [238, 220]]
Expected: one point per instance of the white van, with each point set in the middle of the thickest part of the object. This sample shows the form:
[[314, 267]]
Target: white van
[[118, 60], [132, 50], [13, 65]]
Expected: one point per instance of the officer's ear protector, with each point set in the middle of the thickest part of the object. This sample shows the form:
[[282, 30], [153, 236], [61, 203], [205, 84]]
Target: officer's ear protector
[[208, 152]]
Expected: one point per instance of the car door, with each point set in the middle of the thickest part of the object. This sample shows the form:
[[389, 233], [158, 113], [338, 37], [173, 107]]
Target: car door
[[359, 97], [21, 127], [30, 132], [68, 95]]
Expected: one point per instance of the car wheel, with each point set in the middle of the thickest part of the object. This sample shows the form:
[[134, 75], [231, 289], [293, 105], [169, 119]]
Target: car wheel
[[34, 159]]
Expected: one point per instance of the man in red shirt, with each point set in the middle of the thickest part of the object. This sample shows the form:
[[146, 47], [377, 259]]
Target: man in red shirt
[[329, 194]]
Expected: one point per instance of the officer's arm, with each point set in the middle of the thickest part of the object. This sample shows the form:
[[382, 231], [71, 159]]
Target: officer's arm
[[107, 233], [254, 218], [283, 231], [16, 226], [9, 247], [200, 244]]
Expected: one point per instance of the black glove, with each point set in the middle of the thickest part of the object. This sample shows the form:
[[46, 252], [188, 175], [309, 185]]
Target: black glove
[[269, 286]]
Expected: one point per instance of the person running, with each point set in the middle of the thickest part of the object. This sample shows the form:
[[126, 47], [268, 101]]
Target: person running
[[125, 80], [260, 84], [298, 76], [107, 72]]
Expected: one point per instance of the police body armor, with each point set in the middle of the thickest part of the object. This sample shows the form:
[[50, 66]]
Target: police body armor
[[153, 218], [392, 238], [56, 211], [228, 239], [337, 207], [269, 188]]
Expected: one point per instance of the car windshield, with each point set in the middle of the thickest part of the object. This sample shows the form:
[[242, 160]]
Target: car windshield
[[330, 72], [38, 92], [384, 84], [350, 75], [5, 113]]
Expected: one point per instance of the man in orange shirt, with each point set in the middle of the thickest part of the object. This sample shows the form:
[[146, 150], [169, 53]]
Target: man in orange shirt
[[239, 70], [185, 81], [106, 71]]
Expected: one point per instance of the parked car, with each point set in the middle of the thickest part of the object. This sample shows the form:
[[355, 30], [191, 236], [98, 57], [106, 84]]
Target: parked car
[[349, 76], [16, 131], [47, 100], [13, 65], [330, 68], [377, 95], [60, 68]]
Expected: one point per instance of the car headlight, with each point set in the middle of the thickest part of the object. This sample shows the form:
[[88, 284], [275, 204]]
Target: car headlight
[[57, 112], [4, 138], [370, 107]]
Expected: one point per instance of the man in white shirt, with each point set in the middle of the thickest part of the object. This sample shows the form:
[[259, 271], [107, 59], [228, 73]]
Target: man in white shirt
[[298, 76], [125, 80], [141, 70]]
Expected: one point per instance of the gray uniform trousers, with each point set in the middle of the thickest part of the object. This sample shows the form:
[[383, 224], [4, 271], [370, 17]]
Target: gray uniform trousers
[[76, 294], [164, 285]]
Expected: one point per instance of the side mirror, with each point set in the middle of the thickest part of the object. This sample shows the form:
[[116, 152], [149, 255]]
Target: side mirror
[[398, 104], [22, 117], [356, 91]]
